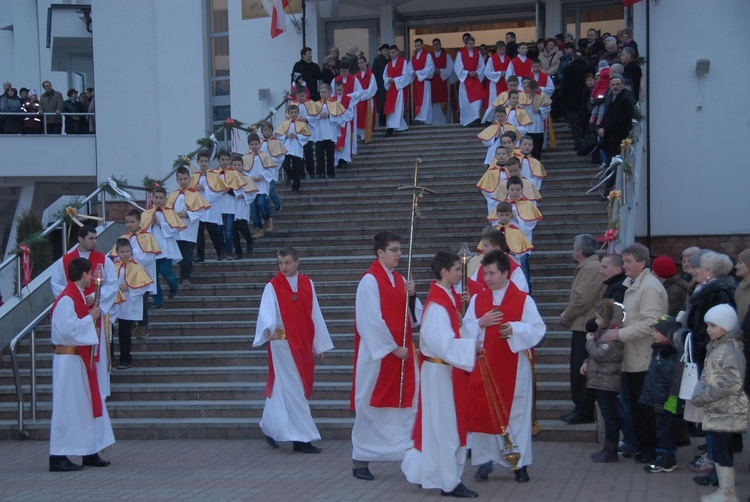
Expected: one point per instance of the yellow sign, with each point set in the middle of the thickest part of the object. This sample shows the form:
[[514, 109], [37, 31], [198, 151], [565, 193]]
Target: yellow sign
[[253, 9]]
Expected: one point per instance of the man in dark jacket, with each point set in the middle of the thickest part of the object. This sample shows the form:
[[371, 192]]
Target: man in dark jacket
[[378, 68], [575, 95], [52, 102], [618, 117], [310, 72]]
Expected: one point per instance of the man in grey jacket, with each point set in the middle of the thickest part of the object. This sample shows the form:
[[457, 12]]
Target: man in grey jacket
[[52, 102]]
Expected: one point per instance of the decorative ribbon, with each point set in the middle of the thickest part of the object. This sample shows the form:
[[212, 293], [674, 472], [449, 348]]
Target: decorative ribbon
[[75, 215], [119, 191], [27, 265], [608, 238]]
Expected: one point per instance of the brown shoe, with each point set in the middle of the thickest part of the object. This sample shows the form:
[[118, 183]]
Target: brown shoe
[[269, 225], [258, 233], [186, 282]]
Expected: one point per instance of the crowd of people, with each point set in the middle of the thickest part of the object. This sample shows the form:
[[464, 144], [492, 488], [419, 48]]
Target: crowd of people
[[472, 384], [632, 322], [28, 101]]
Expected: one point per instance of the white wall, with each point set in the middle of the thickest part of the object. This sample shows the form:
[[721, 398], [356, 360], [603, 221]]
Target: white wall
[[53, 156], [699, 177], [250, 45], [151, 90]]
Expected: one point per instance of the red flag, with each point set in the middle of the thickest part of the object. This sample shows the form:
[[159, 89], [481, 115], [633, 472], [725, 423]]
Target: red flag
[[278, 17], [628, 3]]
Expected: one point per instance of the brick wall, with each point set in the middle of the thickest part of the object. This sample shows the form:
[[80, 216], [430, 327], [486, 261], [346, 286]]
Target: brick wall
[[673, 245]]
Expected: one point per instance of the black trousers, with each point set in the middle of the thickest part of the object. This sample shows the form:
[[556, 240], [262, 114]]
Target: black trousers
[[294, 167], [643, 421], [216, 238], [324, 151], [583, 398], [240, 227], [125, 338], [309, 158], [144, 321], [538, 138], [186, 264]]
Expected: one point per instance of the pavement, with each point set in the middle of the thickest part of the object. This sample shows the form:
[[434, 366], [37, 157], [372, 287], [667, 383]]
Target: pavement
[[208, 470]]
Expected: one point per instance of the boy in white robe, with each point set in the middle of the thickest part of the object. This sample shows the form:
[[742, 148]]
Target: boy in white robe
[[80, 423], [422, 67], [396, 79]]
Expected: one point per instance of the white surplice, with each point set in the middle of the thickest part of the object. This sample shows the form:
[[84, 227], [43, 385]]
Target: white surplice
[[190, 234], [441, 461], [286, 415], [469, 111], [379, 434], [213, 215], [73, 428], [494, 76], [396, 120], [526, 334], [132, 308], [424, 75]]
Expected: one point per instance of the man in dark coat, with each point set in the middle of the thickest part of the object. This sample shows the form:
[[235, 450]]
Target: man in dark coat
[[378, 68], [575, 95], [618, 117]]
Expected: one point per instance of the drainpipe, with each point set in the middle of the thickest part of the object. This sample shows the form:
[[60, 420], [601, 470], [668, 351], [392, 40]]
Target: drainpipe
[[648, 128]]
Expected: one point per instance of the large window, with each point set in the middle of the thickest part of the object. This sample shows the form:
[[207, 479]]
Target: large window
[[607, 18], [218, 46]]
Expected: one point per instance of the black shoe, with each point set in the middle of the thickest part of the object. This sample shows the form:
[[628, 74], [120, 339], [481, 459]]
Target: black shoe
[[61, 463], [483, 472], [121, 366], [521, 475], [565, 417], [708, 479], [461, 492], [198, 260], [221, 256], [645, 458], [388, 133], [305, 447], [278, 208], [363, 473], [95, 460], [156, 306], [271, 441], [575, 419]]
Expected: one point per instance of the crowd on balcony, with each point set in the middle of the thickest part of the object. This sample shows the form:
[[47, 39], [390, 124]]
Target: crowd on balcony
[[25, 111]]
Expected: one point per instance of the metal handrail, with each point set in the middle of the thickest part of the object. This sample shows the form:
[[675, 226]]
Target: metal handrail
[[30, 329], [44, 115]]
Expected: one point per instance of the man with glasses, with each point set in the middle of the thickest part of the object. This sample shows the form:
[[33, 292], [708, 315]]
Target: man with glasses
[[385, 370]]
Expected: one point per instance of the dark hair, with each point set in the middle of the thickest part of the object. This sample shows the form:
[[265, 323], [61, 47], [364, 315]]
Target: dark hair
[[497, 238], [85, 230], [511, 93], [121, 243], [135, 213], [393, 47], [513, 161], [513, 78], [509, 134], [499, 258], [419, 40], [71, 92], [160, 190], [436, 40], [533, 84], [382, 239], [236, 157], [344, 65], [203, 153], [527, 138], [513, 180], [504, 207], [500, 44], [292, 107], [253, 137], [501, 109], [265, 124], [569, 45], [288, 251], [615, 258], [304, 51], [77, 267], [551, 40], [223, 153], [300, 89], [469, 39], [465, 36], [512, 34], [183, 170], [441, 261]]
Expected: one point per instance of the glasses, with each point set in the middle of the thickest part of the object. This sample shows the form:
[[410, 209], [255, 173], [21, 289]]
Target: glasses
[[394, 250]]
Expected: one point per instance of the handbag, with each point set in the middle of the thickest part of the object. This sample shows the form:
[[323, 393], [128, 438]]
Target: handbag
[[693, 413], [689, 371]]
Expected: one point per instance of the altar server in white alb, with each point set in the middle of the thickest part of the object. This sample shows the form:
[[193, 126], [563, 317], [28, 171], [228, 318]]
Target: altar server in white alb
[[448, 354], [423, 69], [191, 207], [396, 78], [289, 319], [500, 391], [469, 69], [80, 423], [385, 409], [108, 293]]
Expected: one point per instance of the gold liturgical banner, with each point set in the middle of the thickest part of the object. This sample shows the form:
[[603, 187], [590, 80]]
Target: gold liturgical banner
[[253, 9]]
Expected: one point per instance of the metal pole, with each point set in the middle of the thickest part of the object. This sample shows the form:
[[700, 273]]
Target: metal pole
[[64, 237], [304, 23], [32, 355], [104, 207], [19, 276]]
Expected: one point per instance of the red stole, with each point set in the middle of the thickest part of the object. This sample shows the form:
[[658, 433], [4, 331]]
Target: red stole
[[502, 362], [343, 130], [96, 259], [501, 85], [460, 377], [348, 85], [296, 312], [439, 86], [478, 285], [364, 82], [474, 88], [418, 62], [542, 80], [84, 351], [392, 304], [522, 68], [391, 97]]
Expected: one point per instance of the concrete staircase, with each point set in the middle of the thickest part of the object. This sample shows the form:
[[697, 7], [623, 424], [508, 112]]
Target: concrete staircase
[[197, 375]]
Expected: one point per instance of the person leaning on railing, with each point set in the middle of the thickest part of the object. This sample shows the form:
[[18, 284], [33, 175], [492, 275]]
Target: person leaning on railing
[[11, 103], [32, 124]]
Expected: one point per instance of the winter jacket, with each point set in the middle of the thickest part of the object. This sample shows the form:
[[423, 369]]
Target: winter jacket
[[714, 292], [720, 390], [645, 300], [550, 61], [604, 363], [677, 293], [615, 291], [585, 292], [11, 105], [52, 102], [664, 359]]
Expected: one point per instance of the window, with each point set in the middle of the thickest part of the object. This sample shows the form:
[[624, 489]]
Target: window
[[218, 46]]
